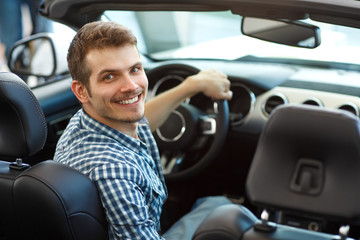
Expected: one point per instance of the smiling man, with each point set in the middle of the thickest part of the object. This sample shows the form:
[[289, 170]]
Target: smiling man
[[110, 138], [117, 89]]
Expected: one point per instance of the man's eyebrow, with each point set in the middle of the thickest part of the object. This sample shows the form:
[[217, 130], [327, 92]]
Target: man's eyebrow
[[137, 64], [106, 71]]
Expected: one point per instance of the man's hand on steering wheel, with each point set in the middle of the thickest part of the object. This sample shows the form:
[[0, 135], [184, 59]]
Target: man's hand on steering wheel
[[211, 83]]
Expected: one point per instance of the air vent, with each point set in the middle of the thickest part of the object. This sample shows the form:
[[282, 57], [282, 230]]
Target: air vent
[[313, 102], [241, 104], [351, 107], [272, 102]]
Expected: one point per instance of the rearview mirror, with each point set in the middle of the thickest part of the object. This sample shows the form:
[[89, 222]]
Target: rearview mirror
[[290, 33]]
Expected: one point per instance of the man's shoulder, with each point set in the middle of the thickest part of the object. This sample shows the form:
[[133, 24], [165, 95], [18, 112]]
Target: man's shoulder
[[85, 143], [79, 142], [81, 130], [97, 160]]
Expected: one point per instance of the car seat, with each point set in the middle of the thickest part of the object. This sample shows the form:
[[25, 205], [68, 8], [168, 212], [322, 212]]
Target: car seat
[[48, 200], [305, 173]]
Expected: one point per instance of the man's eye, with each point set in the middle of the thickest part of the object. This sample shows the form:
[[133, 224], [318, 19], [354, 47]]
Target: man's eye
[[135, 69], [109, 77]]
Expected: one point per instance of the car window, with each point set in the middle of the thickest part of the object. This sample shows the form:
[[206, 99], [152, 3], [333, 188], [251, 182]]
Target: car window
[[160, 34], [166, 35], [217, 35]]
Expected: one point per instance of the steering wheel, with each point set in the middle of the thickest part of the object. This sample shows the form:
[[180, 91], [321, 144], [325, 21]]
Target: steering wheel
[[191, 138]]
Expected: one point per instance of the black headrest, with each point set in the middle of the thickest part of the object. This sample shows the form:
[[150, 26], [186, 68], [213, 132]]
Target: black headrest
[[308, 160], [23, 128]]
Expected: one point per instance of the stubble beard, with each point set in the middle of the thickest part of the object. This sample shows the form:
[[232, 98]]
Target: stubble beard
[[120, 119], [131, 120]]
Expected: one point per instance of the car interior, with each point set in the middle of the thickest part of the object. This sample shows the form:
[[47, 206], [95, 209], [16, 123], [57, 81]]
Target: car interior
[[285, 149]]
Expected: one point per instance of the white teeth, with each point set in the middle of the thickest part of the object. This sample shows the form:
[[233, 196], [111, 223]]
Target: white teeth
[[129, 101]]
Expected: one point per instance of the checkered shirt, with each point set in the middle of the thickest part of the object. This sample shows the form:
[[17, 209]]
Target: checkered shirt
[[127, 173]]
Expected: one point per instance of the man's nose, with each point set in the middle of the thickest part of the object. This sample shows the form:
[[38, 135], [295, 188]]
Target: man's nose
[[127, 84]]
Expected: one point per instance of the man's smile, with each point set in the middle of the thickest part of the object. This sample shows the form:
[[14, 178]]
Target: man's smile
[[128, 101]]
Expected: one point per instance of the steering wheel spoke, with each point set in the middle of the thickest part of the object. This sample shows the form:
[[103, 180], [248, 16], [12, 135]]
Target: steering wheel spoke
[[208, 125], [170, 162]]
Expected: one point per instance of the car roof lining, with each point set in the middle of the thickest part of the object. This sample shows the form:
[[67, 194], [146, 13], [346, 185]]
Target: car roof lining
[[77, 13]]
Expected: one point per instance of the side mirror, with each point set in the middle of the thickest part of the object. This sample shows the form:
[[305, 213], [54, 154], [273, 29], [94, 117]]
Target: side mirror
[[290, 33], [38, 55]]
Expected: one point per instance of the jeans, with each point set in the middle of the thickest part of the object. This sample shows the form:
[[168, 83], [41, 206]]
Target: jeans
[[185, 228]]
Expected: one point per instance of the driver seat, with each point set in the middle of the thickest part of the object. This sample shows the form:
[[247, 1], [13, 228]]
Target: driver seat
[[48, 200]]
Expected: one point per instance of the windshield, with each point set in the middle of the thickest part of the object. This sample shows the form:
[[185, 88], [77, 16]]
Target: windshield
[[217, 35]]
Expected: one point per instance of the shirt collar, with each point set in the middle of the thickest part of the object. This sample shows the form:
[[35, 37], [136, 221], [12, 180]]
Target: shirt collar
[[93, 125]]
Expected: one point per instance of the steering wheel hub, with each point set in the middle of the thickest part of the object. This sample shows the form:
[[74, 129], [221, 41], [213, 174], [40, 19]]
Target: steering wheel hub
[[181, 129], [173, 129]]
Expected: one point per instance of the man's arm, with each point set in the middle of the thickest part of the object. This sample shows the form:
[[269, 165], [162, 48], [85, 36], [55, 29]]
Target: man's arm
[[212, 83]]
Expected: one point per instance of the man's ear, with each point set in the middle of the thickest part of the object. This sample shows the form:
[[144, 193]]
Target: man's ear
[[80, 91]]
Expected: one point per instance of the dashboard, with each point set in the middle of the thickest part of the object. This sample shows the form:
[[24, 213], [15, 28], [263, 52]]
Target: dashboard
[[259, 88]]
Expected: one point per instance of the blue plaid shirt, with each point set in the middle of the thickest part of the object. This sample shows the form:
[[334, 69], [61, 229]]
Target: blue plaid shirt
[[127, 173]]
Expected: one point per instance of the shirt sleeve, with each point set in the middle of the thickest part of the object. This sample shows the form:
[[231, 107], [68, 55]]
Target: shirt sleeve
[[126, 209]]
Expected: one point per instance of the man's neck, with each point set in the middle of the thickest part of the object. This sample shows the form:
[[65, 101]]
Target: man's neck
[[129, 131], [128, 128]]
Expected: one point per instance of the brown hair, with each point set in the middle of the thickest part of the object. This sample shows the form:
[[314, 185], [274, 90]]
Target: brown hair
[[95, 35]]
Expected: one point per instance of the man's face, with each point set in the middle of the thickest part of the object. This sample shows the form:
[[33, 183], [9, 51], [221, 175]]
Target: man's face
[[117, 86]]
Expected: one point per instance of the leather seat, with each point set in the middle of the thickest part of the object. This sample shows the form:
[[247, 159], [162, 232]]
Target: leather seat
[[53, 201], [306, 166], [308, 161], [48, 200]]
